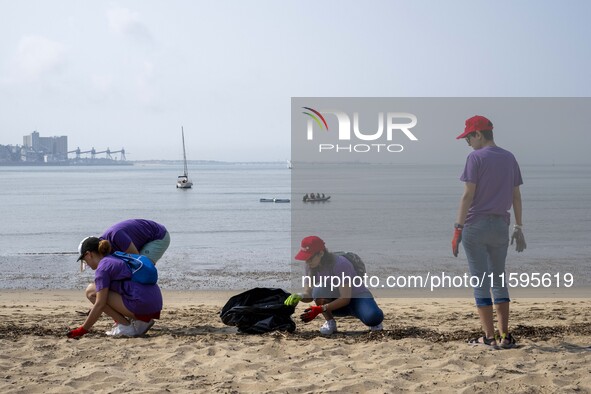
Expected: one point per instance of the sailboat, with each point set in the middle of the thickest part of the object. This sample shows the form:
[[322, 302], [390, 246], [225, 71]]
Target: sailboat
[[289, 165], [183, 181]]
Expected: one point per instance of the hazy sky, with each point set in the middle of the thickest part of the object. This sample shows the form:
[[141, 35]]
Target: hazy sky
[[131, 73]]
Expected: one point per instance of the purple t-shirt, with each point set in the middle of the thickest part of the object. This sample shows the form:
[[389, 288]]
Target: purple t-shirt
[[138, 231], [495, 172], [114, 274], [341, 267]]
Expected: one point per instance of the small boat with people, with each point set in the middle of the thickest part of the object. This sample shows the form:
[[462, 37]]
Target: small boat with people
[[315, 197]]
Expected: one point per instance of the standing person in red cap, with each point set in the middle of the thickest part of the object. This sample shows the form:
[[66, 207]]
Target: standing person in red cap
[[343, 301], [491, 186]]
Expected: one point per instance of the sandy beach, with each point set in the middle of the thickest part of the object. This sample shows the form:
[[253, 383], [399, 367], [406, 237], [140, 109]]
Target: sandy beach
[[422, 349]]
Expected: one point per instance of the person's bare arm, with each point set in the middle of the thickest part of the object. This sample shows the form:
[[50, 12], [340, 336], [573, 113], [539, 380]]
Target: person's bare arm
[[465, 202]]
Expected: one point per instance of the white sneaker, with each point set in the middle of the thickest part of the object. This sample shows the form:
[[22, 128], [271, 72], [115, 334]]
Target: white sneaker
[[122, 331], [110, 332], [142, 327], [329, 327], [379, 327]]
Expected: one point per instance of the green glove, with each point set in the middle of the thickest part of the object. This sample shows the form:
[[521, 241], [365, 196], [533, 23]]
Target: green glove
[[293, 299]]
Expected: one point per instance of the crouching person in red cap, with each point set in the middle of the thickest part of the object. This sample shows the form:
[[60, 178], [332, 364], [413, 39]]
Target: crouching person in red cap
[[132, 305], [346, 300]]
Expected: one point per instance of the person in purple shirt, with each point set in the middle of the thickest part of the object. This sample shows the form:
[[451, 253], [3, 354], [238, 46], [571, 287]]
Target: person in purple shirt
[[491, 186], [346, 300], [138, 236], [133, 306]]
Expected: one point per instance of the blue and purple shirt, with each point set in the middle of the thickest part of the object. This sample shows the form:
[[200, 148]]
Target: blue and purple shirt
[[114, 274]]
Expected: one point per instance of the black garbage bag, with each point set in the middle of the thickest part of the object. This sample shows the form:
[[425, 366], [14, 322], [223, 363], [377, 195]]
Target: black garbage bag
[[259, 310]]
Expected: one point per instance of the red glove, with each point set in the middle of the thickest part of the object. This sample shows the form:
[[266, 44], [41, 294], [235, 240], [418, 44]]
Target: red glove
[[311, 312], [77, 333], [455, 241]]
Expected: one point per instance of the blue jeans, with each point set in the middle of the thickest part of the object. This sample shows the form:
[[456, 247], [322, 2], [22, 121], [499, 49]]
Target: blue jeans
[[363, 307], [486, 242]]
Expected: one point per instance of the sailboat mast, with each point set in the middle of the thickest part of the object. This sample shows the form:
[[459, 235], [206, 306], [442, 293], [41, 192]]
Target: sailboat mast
[[184, 153]]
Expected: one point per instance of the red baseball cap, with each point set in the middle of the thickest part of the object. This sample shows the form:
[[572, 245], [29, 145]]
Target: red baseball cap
[[310, 246], [475, 123]]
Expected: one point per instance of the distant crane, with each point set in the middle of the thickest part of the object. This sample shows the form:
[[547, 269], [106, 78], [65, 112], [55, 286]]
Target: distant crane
[[108, 152], [76, 151], [93, 152], [122, 151], [79, 152]]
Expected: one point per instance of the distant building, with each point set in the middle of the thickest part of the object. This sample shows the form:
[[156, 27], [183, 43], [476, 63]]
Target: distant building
[[37, 150], [45, 148], [9, 153]]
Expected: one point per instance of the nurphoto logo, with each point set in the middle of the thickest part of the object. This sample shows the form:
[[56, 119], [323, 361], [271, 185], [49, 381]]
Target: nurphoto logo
[[396, 124]]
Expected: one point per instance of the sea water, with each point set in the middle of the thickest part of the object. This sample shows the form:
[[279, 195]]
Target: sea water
[[399, 218], [221, 235]]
